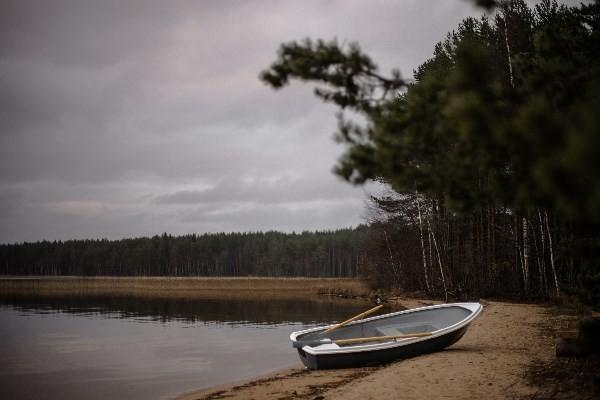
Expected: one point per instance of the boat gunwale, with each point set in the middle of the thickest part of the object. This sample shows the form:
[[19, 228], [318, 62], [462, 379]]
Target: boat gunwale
[[473, 307]]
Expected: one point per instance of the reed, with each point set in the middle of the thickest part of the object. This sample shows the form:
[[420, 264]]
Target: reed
[[184, 286]]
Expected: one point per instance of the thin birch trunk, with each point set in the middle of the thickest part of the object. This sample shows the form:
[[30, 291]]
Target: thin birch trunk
[[423, 244], [538, 261], [518, 251], [494, 240], [508, 55], [526, 251], [552, 255], [543, 264], [396, 270], [430, 245], [439, 261]]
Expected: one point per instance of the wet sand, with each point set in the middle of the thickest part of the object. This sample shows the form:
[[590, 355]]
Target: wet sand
[[490, 361]]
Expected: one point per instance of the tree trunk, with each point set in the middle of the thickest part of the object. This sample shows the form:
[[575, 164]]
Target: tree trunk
[[525, 252], [506, 42], [422, 244], [396, 271], [556, 287], [542, 265], [439, 262]]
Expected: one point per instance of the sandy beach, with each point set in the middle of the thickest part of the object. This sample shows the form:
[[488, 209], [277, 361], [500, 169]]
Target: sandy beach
[[491, 361]]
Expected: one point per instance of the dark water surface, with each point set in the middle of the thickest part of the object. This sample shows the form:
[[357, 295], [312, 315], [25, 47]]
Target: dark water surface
[[125, 347]]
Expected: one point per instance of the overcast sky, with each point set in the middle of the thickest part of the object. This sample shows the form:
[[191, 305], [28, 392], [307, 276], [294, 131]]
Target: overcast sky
[[132, 118]]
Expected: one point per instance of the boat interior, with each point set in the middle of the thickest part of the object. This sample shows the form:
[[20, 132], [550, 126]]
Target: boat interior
[[425, 321]]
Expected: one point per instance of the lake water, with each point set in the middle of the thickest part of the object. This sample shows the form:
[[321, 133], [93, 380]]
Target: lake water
[[100, 347]]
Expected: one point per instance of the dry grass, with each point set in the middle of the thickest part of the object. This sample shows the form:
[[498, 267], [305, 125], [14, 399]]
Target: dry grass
[[183, 286]]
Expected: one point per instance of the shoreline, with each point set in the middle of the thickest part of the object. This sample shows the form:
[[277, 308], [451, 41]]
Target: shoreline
[[491, 361]]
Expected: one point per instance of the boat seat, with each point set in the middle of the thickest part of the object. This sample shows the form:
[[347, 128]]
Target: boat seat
[[394, 330], [388, 331]]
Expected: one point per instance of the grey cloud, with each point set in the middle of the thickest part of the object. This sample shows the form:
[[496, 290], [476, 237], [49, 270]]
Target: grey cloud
[[131, 117], [268, 190], [286, 216]]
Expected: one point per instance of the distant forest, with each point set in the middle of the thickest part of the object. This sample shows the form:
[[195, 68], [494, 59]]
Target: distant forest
[[313, 254]]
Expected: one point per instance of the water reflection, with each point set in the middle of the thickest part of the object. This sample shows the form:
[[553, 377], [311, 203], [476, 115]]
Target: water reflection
[[230, 311], [141, 347]]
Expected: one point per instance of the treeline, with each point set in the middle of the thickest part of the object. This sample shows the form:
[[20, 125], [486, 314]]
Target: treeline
[[311, 254]]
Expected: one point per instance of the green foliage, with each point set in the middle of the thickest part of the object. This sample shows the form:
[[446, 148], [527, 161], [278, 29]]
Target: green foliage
[[504, 115], [350, 78]]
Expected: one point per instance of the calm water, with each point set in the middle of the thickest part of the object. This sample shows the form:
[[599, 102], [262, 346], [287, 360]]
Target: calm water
[[146, 348]]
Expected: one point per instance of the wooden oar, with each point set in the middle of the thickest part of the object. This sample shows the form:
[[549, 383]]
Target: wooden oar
[[378, 338], [318, 342], [359, 316]]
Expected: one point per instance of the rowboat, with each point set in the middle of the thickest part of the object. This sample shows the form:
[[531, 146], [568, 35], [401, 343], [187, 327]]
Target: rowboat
[[363, 341]]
